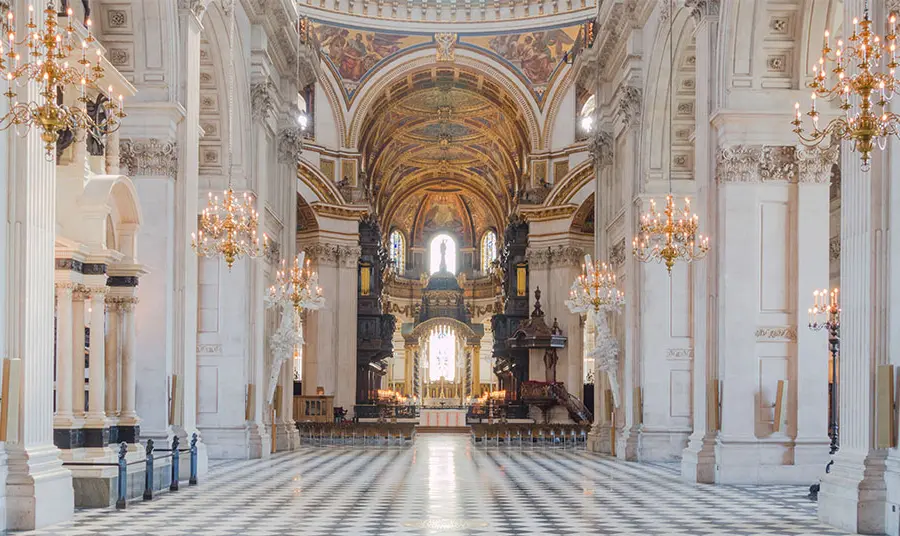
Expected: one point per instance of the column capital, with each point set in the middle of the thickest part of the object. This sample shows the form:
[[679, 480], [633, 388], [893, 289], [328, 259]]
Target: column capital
[[815, 163], [262, 99], [600, 145], [702, 9], [193, 7], [121, 303], [290, 145], [628, 108]]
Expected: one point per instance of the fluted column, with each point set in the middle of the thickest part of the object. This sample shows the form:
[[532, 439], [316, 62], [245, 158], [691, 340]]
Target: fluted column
[[96, 414], [38, 488], [127, 414], [78, 348], [64, 324], [111, 356]]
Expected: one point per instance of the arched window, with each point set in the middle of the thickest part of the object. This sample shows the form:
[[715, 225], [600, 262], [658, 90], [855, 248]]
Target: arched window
[[398, 251], [586, 115], [488, 250], [449, 254]]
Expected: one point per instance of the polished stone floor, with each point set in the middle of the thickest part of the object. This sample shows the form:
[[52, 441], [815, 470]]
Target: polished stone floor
[[445, 485]]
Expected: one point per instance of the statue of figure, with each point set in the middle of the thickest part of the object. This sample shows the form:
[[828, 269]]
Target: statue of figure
[[550, 360], [443, 265]]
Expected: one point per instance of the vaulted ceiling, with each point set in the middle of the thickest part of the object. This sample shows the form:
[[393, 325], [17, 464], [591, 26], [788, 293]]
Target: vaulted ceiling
[[449, 136]]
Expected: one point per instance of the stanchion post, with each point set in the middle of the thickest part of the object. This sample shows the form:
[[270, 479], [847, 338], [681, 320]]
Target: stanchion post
[[123, 476], [148, 472], [193, 479], [175, 459]]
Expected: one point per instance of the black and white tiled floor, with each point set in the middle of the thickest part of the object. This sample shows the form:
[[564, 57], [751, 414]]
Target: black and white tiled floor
[[445, 485]]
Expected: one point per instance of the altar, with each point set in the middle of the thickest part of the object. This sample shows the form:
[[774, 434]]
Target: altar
[[442, 417]]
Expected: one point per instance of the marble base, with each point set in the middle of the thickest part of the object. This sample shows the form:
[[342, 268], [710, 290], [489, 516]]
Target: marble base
[[100, 489], [599, 440], [750, 461], [853, 495], [627, 444], [661, 445], [38, 488], [698, 460], [239, 442]]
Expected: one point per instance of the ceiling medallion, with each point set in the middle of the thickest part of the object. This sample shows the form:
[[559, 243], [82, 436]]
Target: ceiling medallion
[[860, 85]]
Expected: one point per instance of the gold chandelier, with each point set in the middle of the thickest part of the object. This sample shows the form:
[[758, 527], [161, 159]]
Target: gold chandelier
[[670, 236], [297, 287], [229, 229], [50, 48], [595, 289], [862, 86]]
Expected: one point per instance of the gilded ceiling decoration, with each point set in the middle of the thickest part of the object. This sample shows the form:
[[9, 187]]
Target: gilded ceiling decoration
[[535, 57], [445, 132]]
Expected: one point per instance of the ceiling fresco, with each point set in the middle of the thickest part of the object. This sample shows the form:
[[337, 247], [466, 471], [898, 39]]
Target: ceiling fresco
[[535, 57]]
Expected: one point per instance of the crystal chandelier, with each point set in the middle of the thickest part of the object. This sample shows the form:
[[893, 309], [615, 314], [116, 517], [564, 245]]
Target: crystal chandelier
[[595, 289], [672, 235], [229, 229], [50, 48], [862, 81], [297, 287]]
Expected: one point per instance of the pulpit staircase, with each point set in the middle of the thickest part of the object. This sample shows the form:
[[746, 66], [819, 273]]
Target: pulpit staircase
[[576, 408]]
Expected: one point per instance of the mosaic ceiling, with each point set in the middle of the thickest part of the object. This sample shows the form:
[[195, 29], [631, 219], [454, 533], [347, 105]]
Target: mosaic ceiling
[[445, 130], [534, 56]]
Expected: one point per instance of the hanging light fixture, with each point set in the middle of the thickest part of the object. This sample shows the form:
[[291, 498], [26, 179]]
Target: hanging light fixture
[[229, 229], [595, 289], [860, 84], [297, 287], [51, 47], [670, 236]]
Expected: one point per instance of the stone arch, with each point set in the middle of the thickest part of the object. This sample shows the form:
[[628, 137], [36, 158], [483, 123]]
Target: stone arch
[[574, 187], [313, 186], [108, 205], [214, 95], [658, 101]]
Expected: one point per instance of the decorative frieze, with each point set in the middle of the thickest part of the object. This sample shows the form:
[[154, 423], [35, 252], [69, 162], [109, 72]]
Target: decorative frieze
[[196, 7], [757, 163], [333, 254], [776, 334], [554, 256], [148, 157], [834, 248]]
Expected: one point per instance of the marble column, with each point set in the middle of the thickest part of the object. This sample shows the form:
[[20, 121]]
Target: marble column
[[95, 422], [628, 172], [111, 354], [38, 488], [78, 349], [186, 210], [63, 418], [128, 416], [698, 460], [811, 442]]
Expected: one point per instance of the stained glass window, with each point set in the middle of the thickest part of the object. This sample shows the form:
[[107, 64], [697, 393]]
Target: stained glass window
[[488, 250], [398, 251]]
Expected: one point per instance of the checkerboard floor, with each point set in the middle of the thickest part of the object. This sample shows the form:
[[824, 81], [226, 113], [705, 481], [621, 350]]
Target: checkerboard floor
[[445, 485]]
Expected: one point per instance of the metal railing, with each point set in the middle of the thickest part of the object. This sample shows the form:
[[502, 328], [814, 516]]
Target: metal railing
[[174, 453], [531, 441]]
